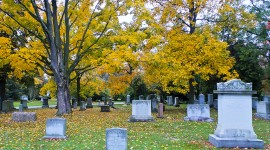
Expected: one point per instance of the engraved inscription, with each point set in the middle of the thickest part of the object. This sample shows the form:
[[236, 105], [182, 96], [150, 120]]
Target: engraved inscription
[[116, 139]]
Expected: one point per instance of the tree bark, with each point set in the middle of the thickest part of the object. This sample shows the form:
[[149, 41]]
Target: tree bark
[[2, 89], [78, 89], [191, 93], [63, 99]]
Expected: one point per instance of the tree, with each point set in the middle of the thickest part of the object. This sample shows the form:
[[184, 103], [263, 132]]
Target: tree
[[68, 33], [186, 20]]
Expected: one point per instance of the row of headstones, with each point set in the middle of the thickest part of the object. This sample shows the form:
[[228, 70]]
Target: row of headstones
[[234, 127], [116, 138]]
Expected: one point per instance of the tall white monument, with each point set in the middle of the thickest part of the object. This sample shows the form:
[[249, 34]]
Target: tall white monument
[[234, 127]]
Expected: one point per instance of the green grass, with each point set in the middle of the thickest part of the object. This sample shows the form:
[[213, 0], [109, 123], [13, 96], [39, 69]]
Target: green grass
[[35, 103], [86, 130]]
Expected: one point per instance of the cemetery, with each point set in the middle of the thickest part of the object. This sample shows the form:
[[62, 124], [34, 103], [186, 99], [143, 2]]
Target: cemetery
[[134, 75], [135, 126]]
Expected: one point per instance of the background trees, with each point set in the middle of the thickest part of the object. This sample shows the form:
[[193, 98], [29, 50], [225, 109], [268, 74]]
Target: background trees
[[169, 46]]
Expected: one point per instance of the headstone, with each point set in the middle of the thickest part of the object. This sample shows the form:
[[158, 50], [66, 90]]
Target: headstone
[[24, 103], [7, 106], [154, 106], [24, 97], [75, 105], [24, 116], [104, 108], [160, 110], [99, 104], [141, 111], [215, 104], [141, 97], [110, 101], [45, 103], [263, 110], [82, 106], [128, 99], [116, 139], [89, 103], [234, 128], [20, 108], [198, 112], [55, 128], [210, 100], [167, 100], [170, 101], [254, 102], [201, 99], [176, 102]]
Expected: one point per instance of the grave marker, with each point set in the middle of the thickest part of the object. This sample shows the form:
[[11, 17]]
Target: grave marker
[[55, 128], [141, 111], [116, 139], [234, 127], [198, 112]]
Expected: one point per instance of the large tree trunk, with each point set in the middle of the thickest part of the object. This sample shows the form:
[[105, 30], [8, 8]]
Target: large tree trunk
[[191, 93], [63, 99], [2, 89], [79, 89]]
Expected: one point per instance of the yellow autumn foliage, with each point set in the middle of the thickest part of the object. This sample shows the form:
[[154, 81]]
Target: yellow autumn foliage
[[185, 56]]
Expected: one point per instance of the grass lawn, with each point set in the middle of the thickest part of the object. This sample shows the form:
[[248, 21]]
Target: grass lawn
[[35, 102], [86, 130]]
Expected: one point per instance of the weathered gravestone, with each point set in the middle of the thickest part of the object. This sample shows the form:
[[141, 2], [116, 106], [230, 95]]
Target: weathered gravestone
[[20, 108], [154, 105], [176, 102], [55, 128], [128, 100], [45, 103], [201, 99], [24, 99], [170, 101], [104, 108], [24, 116], [160, 110], [89, 103], [141, 111], [82, 106], [198, 112], [116, 139], [234, 127], [263, 110], [210, 99], [254, 102], [7, 106]]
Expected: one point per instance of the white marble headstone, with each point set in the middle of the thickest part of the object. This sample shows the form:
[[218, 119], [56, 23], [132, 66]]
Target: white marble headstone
[[116, 139], [55, 128], [234, 128], [141, 110]]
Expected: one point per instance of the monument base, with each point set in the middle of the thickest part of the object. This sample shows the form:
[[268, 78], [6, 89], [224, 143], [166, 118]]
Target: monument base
[[141, 119], [105, 108], [89, 106], [234, 142], [54, 137], [45, 106], [199, 119], [263, 116]]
